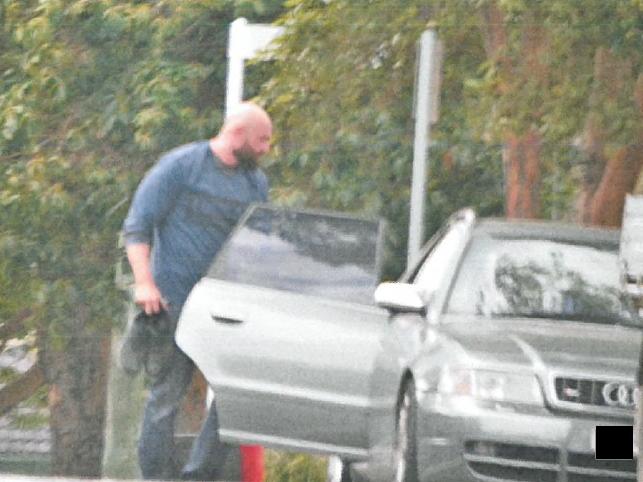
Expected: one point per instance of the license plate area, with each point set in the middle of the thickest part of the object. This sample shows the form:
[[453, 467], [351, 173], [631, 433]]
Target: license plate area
[[615, 438]]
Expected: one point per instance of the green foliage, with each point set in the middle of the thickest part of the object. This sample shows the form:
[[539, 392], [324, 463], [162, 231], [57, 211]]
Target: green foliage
[[90, 94], [469, 174], [286, 467], [342, 98], [30, 421], [8, 375], [554, 87], [32, 413]]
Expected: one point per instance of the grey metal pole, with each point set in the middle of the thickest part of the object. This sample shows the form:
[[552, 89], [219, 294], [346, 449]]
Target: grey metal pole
[[426, 87]]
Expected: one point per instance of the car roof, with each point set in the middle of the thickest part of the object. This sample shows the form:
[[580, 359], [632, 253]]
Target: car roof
[[552, 230]]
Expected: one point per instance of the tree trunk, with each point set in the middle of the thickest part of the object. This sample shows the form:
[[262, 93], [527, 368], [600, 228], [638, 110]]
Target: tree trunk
[[522, 175], [619, 178], [607, 181], [609, 173], [76, 370], [521, 153]]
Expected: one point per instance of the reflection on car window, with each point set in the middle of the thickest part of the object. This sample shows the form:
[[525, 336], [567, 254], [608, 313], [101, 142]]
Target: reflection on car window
[[318, 254], [540, 278]]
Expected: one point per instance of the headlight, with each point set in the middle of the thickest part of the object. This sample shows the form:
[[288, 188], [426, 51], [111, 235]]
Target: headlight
[[491, 385]]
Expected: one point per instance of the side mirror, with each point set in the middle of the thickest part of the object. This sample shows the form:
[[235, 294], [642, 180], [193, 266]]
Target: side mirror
[[399, 297]]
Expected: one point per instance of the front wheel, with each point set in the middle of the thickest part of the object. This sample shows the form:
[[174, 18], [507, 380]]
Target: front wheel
[[405, 455]]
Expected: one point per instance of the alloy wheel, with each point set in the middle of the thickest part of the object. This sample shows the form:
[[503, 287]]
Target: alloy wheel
[[405, 443]]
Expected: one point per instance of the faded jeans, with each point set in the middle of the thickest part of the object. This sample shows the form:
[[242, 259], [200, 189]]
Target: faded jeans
[[156, 451]]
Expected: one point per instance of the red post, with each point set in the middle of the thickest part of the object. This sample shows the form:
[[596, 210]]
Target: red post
[[252, 469]]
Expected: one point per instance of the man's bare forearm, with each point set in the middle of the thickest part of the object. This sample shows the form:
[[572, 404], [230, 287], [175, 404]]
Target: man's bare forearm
[[138, 255], [146, 293]]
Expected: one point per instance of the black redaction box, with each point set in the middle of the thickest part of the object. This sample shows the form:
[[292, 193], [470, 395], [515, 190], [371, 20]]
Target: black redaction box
[[614, 442]]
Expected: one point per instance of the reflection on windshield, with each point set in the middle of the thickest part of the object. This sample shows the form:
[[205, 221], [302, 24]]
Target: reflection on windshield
[[323, 255], [540, 278]]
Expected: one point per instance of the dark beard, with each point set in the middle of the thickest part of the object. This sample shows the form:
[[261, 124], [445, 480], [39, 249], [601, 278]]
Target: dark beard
[[246, 160]]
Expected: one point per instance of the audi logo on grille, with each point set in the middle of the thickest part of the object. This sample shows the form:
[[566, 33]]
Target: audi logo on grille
[[623, 395]]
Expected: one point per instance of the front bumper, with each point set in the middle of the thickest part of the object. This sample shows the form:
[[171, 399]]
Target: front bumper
[[465, 441]]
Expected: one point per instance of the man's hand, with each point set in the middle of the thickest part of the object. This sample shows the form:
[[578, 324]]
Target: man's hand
[[148, 297], [146, 294]]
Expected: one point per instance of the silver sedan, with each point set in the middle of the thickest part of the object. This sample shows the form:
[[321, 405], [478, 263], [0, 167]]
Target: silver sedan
[[493, 358]]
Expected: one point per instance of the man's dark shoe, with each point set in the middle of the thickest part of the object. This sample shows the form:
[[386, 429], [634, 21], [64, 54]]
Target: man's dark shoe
[[160, 344], [131, 354], [148, 344]]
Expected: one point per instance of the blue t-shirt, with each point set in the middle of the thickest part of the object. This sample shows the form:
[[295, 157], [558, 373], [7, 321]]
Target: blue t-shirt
[[185, 208]]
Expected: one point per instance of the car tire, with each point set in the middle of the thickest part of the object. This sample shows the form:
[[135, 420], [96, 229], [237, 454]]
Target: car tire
[[338, 470], [405, 449]]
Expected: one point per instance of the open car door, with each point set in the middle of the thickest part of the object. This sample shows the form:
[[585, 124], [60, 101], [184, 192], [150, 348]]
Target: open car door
[[285, 330]]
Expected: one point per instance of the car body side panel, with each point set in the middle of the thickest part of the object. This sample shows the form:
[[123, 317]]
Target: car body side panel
[[399, 351], [287, 369]]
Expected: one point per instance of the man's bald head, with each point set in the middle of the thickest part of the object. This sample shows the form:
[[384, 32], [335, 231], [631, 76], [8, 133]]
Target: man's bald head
[[246, 115], [246, 133]]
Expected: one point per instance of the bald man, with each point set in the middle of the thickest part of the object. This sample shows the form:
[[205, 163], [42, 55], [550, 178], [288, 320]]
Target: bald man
[[181, 214]]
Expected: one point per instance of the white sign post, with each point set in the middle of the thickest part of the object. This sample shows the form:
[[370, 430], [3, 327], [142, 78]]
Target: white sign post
[[245, 41]]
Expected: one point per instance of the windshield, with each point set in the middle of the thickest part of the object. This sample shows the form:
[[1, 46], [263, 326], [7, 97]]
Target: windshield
[[311, 253], [540, 278]]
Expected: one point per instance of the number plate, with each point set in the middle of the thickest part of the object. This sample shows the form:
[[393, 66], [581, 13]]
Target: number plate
[[635, 447]]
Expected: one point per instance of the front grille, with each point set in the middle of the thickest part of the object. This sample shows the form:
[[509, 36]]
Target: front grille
[[576, 390], [597, 478], [586, 468], [585, 394], [505, 472], [589, 461], [513, 462]]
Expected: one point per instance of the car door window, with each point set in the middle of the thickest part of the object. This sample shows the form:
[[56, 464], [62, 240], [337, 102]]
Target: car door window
[[321, 254]]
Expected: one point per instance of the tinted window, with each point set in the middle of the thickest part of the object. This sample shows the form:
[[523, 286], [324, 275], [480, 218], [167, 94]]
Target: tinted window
[[540, 278], [318, 254]]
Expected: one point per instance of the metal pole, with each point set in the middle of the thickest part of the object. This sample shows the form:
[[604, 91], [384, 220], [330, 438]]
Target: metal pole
[[425, 109]]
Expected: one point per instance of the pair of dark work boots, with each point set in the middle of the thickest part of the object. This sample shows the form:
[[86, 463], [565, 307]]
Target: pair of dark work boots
[[148, 344]]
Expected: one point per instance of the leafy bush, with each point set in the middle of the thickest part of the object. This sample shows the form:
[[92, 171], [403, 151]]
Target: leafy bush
[[288, 467]]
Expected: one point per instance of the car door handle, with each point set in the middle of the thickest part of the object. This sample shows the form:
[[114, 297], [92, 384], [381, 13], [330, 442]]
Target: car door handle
[[226, 320]]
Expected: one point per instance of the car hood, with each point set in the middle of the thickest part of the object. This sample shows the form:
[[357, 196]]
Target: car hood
[[545, 345]]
